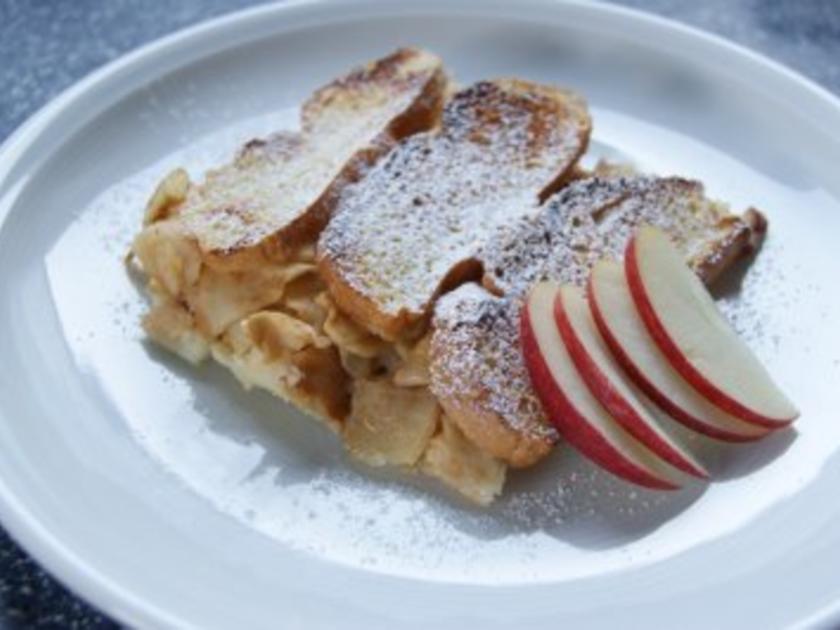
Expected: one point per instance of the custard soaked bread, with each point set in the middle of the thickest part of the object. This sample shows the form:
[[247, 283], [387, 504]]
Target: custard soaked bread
[[411, 229], [477, 370], [279, 192], [220, 252], [433, 212], [270, 204]]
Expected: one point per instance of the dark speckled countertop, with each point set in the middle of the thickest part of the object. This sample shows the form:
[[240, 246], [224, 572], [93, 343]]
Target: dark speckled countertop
[[46, 45]]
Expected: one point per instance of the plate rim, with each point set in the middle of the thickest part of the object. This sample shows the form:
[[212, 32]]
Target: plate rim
[[45, 546]]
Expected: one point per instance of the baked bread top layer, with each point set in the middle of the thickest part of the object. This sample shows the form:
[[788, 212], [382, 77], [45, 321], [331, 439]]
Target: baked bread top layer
[[412, 227], [279, 192], [477, 369]]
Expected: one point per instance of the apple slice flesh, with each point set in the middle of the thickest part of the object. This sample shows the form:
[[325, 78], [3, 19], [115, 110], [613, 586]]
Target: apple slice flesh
[[609, 385], [685, 323], [570, 405], [625, 333]]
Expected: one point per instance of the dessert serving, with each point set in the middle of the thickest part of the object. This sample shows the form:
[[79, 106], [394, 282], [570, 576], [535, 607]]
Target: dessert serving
[[427, 268]]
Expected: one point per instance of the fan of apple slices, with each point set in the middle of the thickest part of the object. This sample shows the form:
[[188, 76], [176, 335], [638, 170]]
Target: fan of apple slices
[[643, 334]]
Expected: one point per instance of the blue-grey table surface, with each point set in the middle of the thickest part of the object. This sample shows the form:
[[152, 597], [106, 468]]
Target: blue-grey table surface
[[46, 45]]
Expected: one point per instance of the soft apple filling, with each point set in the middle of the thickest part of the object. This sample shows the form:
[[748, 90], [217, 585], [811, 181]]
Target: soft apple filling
[[277, 328]]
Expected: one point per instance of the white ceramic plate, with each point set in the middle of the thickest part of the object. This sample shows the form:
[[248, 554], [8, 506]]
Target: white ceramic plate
[[170, 497]]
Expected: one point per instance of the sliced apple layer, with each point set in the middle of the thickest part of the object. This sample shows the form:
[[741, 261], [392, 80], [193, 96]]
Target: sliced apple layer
[[686, 325], [610, 386], [571, 406], [634, 348]]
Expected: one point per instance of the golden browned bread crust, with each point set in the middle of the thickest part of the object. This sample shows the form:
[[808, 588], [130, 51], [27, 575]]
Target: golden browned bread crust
[[411, 228], [479, 378], [594, 217], [215, 247], [477, 371], [279, 192]]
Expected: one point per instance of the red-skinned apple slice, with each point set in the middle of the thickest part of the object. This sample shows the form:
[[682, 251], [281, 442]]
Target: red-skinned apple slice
[[570, 405], [609, 385], [686, 325], [625, 333]]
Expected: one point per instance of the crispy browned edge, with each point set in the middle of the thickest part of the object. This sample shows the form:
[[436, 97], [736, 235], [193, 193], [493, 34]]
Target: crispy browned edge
[[422, 114], [742, 241], [405, 324]]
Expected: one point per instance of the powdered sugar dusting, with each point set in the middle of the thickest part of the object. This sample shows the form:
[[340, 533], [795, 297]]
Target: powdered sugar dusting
[[436, 198], [594, 218], [276, 181], [477, 359]]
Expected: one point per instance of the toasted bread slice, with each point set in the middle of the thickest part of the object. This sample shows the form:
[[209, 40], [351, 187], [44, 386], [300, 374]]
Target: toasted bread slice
[[594, 218], [480, 380], [222, 249], [279, 192], [412, 227], [477, 370]]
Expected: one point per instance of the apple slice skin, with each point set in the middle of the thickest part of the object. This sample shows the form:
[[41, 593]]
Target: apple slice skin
[[612, 400], [675, 356], [569, 421], [660, 399]]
